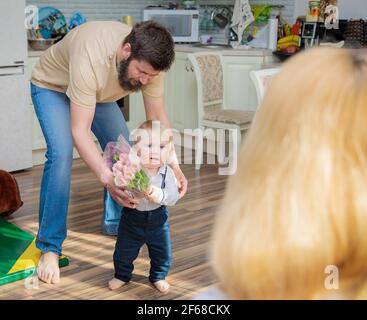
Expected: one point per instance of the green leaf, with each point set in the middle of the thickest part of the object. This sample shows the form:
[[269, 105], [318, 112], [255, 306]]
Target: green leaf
[[115, 157]]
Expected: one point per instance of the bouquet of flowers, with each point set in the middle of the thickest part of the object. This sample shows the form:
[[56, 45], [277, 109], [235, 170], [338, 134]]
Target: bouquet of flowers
[[126, 166]]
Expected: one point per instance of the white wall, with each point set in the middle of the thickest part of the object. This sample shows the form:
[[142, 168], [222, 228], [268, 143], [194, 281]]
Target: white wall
[[352, 9], [356, 9], [300, 8]]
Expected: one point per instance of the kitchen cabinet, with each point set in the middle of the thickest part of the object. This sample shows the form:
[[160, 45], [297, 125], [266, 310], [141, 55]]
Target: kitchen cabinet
[[38, 140], [15, 125], [239, 91], [179, 97], [136, 110], [181, 89], [180, 94]]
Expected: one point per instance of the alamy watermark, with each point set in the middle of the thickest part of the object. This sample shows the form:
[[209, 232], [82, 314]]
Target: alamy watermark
[[221, 146], [331, 17], [31, 282], [332, 279], [31, 17]]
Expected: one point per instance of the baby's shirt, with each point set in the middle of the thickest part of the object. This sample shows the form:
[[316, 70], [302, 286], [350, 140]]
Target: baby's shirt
[[168, 195]]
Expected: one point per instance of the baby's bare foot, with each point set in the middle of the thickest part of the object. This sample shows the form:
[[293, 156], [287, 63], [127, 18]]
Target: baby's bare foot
[[162, 286], [115, 284], [48, 268]]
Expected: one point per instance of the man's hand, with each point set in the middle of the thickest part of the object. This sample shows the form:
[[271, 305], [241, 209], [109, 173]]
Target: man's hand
[[122, 197], [181, 179], [118, 194]]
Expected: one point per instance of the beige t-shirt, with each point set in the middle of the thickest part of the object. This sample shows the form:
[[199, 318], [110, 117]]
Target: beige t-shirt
[[83, 65]]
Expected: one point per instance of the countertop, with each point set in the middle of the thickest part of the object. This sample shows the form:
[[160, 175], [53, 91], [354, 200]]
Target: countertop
[[192, 48], [225, 51], [35, 53]]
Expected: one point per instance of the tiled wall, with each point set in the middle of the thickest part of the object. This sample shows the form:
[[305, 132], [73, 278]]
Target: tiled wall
[[98, 9], [221, 35], [116, 9], [288, 11]]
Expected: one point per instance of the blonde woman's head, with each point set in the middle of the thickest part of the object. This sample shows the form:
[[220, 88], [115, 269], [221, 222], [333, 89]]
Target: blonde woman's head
[[298, 201]]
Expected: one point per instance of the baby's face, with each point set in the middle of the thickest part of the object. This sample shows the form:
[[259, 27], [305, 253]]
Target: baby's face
[[154, 153]]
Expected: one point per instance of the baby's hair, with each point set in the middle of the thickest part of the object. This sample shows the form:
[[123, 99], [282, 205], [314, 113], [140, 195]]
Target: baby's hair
[[149, 125]]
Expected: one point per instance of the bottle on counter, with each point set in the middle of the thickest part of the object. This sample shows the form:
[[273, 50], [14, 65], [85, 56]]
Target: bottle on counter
[[273, 33], [313, 11]]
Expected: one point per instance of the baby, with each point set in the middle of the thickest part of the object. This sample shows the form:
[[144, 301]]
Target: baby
[[148, 223]]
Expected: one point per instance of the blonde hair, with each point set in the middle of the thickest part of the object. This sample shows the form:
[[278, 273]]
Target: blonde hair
[[298, 201], [149, 125]]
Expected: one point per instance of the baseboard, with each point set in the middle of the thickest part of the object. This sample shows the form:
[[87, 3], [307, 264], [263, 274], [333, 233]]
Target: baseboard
[[38, 156]]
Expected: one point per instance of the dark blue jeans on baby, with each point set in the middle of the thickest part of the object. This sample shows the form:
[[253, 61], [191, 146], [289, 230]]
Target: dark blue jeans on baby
[[136, 229]]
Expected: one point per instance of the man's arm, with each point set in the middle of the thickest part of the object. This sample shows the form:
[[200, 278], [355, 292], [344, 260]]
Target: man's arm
[[154, 110], [81, 120]]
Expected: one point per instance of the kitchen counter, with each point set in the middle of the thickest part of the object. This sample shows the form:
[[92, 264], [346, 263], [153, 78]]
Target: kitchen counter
[[191, 48], [225, 51], [35, 53]]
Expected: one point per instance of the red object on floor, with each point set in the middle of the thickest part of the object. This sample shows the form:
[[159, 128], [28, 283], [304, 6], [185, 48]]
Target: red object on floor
[[10, 200]]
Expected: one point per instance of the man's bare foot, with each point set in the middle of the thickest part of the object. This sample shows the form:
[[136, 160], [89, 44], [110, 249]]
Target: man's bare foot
[[161, 285], [48, 268], [115, 284]]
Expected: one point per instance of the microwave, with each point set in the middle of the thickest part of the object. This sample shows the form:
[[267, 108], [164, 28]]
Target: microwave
[[182, 24]]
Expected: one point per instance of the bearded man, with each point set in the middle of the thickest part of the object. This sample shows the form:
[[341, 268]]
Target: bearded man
[[74, 89]]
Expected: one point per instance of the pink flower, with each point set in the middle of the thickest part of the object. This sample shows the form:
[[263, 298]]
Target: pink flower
[[126, 166]]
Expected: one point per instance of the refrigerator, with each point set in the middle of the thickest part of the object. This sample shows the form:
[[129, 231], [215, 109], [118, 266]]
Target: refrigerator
[[15, 112]]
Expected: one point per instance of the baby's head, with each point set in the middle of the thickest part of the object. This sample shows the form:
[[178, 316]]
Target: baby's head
[[152, 143]]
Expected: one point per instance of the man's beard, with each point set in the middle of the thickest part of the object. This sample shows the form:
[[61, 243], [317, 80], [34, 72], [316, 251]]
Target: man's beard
[[124, 81]]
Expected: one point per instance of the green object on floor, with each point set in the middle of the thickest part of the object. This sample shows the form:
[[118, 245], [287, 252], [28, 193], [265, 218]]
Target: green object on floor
[[18, 253]]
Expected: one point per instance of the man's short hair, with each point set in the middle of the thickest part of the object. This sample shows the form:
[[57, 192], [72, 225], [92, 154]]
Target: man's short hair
[[152, 43]]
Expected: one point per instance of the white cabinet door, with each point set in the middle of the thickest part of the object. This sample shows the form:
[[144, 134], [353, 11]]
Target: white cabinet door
[[181, 94], [13, 38], [15, 121], [38, 141], [136, 110], [180, 97], [239, 91], [181, 88], [31, 62]]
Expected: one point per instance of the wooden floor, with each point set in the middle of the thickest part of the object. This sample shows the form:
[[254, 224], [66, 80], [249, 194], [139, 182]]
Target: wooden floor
[[90, 252]]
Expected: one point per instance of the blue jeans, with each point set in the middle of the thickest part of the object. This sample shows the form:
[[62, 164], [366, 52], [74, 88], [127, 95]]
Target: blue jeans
[[136, 229], [53, 112]]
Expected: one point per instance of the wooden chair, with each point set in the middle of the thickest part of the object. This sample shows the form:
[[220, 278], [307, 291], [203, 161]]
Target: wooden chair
[[261, 79], [208, 70]]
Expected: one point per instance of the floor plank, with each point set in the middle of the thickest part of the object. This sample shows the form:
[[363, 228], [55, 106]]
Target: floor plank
[[90, 252]]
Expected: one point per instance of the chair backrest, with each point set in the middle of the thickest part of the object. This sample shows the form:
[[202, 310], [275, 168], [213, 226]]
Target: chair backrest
[[261, 79], [208, 70]]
